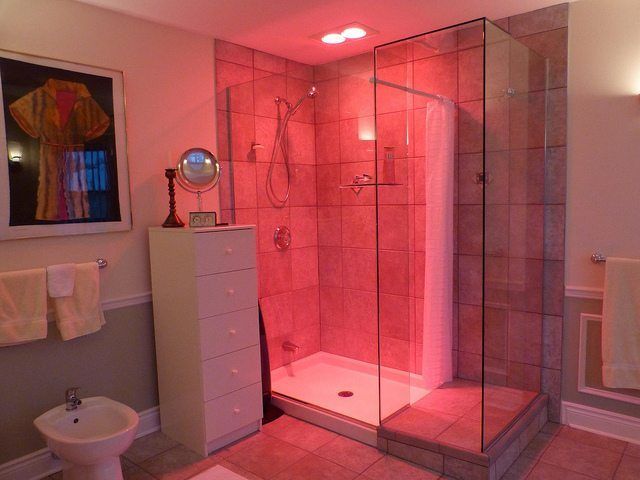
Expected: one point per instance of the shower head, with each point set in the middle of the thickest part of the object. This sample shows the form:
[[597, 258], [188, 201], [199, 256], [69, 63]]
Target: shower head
[[311, 93]]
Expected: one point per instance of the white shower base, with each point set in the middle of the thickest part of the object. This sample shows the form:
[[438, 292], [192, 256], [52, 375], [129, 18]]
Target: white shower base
[[318, 378]]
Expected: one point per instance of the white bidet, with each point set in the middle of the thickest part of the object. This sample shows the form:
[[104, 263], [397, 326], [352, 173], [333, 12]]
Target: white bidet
[[90, 438]]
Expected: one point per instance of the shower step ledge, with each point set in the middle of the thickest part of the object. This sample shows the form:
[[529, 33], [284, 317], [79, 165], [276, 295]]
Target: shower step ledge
[[459, 462]]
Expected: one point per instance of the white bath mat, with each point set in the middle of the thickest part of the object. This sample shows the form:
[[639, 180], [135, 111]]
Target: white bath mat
[[218, 473]]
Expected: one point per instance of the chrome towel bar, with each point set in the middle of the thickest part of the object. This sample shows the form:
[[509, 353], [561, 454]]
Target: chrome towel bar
[[598, 257], [102, 263]]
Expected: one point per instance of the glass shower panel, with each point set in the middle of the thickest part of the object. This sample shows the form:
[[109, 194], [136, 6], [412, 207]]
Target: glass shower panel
[[513, 178], [429, 95], [394, 117], [236, 135]]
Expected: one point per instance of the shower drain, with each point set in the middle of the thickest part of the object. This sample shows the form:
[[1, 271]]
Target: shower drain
[[345, 393]]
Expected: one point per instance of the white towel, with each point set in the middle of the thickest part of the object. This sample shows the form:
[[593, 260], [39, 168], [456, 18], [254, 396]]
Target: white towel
[[81, 313], [23, 306], [61, 279], [437, 367], [621, 324]]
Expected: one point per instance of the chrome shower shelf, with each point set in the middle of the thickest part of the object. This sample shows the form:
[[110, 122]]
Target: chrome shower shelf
[[359, 185]]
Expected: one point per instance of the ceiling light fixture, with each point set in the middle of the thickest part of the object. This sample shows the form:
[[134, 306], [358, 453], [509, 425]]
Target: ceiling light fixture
[[333, 38], [349, 32], [354, 32]]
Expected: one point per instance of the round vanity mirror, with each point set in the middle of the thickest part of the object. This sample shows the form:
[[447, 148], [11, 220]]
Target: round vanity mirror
[[198, 170]]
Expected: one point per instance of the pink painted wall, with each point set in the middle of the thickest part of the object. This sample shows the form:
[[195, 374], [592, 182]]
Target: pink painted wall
[[246, 83]]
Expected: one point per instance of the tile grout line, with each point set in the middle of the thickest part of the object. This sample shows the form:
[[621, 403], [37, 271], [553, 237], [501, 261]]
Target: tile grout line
[[619, 462], [539, 459], [558, 436]]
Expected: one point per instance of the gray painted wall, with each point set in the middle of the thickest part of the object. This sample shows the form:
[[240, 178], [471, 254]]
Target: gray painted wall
[[573, 308], [117, 362]]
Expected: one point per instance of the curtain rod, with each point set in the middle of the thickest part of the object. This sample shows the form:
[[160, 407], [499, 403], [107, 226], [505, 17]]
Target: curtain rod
[[410, 90]]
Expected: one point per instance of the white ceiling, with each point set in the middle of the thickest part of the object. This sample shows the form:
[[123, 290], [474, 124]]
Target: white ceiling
[[283, 27]]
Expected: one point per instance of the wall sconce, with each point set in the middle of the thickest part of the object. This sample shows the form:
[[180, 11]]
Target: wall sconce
[[15, 152], [366, 129]]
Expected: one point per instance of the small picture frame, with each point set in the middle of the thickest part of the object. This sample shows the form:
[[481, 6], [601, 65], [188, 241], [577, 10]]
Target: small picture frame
[[202, 219]]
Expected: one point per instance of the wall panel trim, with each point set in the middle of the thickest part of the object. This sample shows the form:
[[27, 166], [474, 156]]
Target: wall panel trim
[[576, 291]]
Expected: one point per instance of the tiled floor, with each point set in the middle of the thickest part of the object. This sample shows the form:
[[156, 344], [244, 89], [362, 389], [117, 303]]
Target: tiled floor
[[453, 413], [289, 449], [565, 453]]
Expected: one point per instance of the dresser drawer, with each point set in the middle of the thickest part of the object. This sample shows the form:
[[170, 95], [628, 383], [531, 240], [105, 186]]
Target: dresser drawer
[[228, 332], [227, 292], [231, 412], [225, 251], [233, 371]]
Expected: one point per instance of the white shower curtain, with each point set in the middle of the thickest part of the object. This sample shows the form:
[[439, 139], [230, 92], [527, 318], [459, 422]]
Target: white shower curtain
[[437, 365]]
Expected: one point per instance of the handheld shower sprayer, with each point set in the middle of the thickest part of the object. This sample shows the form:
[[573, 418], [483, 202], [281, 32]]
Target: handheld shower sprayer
[[280, 143]]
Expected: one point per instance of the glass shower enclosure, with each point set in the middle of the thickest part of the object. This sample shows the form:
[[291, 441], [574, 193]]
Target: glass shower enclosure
[[460, 123], [414, 275]]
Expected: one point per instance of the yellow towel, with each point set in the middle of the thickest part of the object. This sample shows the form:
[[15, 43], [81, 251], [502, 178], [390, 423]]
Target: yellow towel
[[621, 324], [23, 306], [81, 313]]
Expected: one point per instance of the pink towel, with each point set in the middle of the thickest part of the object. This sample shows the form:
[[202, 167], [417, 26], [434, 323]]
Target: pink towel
[[437, 365]]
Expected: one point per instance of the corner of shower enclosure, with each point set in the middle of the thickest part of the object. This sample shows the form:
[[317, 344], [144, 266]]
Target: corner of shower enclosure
[[514, 141], [457, 119]]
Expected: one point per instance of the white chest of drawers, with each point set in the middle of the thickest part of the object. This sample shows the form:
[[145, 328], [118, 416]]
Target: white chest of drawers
[[205, 309]]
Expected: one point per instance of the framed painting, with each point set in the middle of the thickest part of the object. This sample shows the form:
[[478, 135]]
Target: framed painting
[[63, 149]]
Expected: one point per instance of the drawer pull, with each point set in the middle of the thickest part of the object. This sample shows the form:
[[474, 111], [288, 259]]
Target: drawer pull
[[236, 411], [234, 371], [228, 251], [230, 292], [232, 331]]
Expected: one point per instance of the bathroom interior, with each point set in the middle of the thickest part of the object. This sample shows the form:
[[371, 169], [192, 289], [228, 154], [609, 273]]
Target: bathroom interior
[[420, 220]]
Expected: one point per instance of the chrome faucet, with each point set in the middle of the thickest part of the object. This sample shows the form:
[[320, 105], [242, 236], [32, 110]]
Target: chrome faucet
[[71, 398]]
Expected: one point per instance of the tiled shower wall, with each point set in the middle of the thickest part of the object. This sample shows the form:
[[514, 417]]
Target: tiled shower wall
[[347, 219], [247, 82], [345, 147]]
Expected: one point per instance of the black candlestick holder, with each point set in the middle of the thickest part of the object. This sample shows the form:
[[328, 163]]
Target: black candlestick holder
[[173, 220]]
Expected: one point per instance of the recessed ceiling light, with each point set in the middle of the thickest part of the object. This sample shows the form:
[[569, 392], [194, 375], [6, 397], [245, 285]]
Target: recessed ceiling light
[[354, 32], [350, 32], [333, 38]]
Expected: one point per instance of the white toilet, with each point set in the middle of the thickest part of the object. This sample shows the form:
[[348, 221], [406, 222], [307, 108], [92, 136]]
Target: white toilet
[[90, 438]]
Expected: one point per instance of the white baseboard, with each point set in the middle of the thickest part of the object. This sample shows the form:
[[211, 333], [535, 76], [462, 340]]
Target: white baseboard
[[149, 421], [33, 466], [126, 301], [41, 463], [603, 422]]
